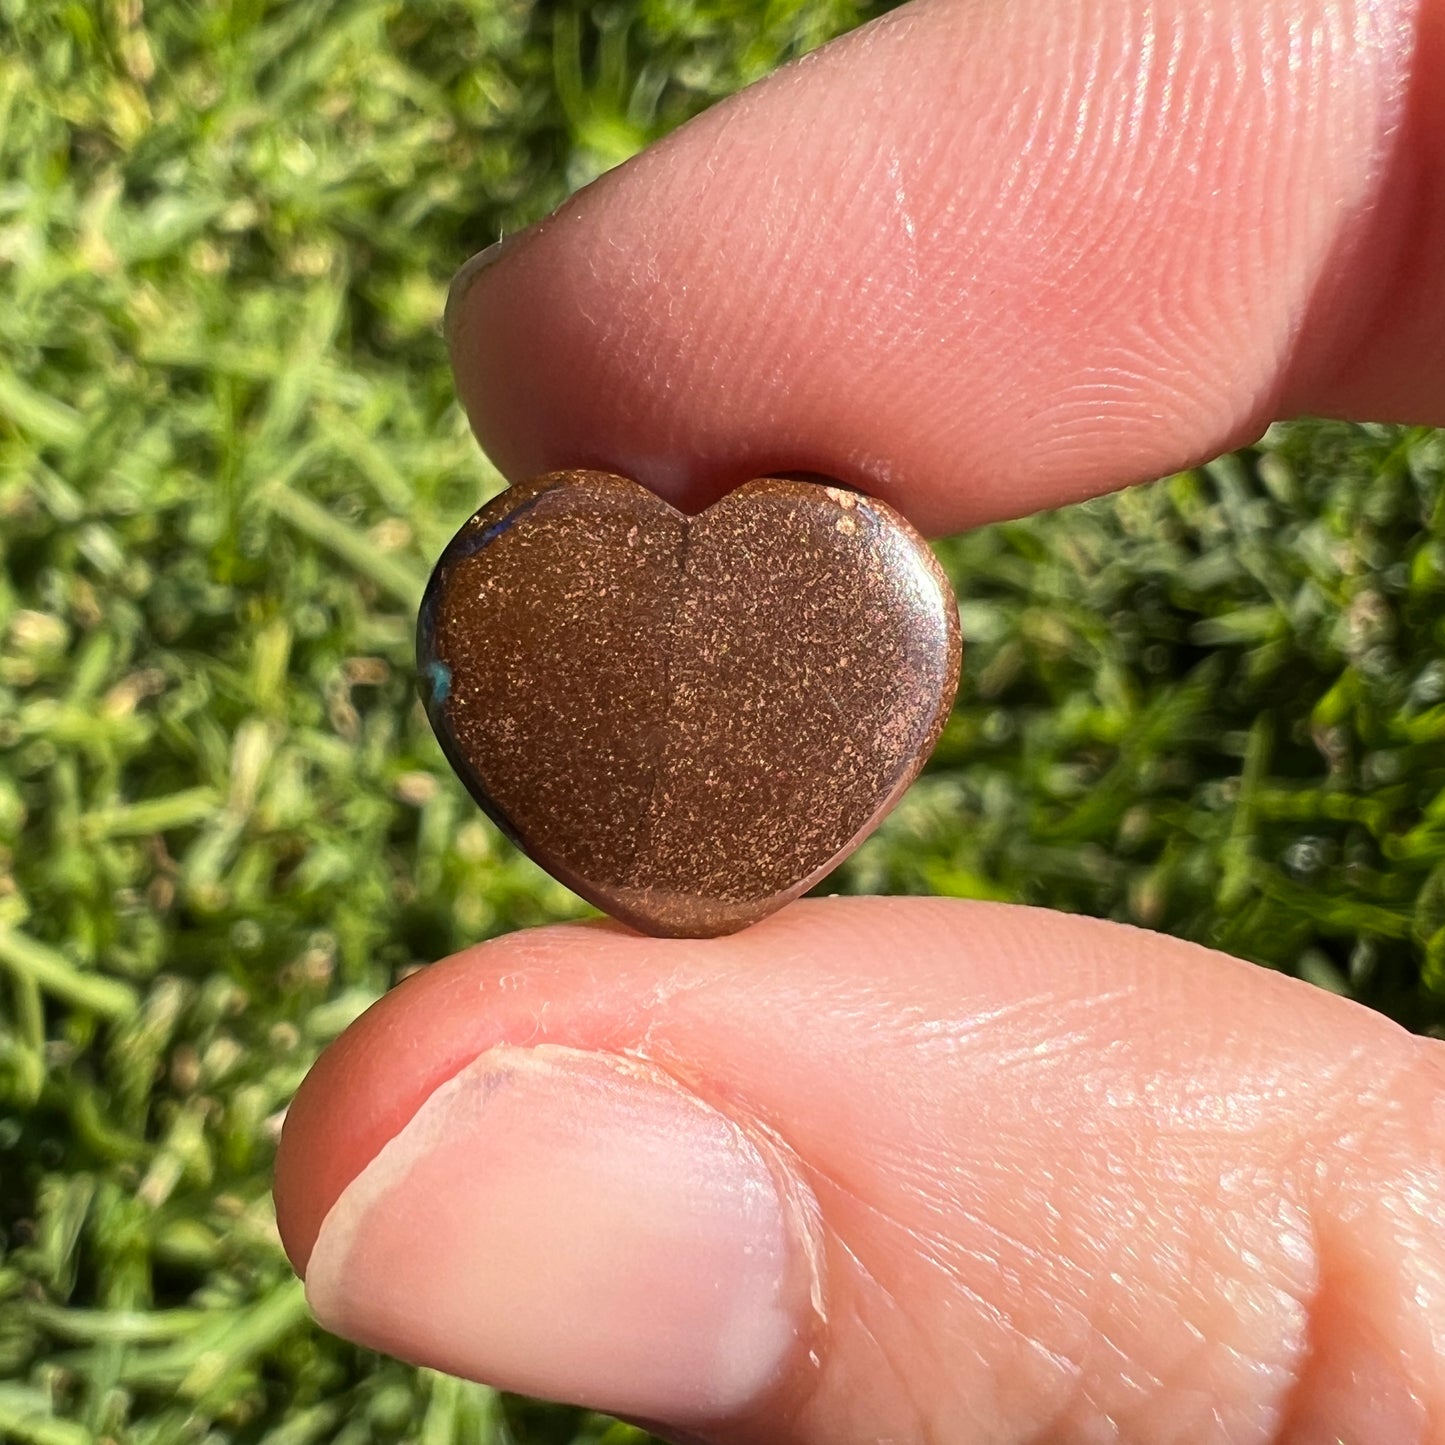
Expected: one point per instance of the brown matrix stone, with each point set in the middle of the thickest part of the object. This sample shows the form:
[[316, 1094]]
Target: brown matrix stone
[[687, 720]]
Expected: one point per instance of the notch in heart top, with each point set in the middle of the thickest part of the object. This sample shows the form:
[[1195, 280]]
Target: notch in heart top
[[687, 720]]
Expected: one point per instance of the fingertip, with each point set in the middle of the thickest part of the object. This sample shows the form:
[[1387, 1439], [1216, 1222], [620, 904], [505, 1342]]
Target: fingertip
[[887, 267], [576, 1225], [371, 1081], [467, 274]]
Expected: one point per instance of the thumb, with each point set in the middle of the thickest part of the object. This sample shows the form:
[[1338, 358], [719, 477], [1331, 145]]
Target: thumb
[[887, 1169]]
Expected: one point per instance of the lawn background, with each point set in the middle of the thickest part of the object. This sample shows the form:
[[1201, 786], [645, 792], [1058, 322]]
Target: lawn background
[[228, 454]]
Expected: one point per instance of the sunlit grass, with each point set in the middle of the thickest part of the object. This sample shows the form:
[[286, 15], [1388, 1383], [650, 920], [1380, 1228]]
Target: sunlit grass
[[228, 455]]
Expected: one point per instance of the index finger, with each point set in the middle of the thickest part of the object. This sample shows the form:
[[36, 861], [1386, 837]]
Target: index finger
[[979, 259]]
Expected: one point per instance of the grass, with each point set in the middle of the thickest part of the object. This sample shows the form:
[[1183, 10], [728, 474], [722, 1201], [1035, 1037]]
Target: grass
[[229, 452]]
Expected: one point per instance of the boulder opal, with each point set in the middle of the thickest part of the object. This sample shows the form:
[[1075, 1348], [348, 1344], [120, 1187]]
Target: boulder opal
[[687, 719]]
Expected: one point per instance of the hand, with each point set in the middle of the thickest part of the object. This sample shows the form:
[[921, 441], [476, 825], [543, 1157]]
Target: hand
[[907, 1169]]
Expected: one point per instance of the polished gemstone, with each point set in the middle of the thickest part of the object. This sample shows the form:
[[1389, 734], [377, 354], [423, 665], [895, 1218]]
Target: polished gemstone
[[688, 720]]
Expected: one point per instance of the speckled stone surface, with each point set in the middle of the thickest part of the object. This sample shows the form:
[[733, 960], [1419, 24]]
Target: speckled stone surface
[[687, 720]]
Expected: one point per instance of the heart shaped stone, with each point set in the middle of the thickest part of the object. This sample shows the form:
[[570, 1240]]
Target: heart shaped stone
[[687, 719]]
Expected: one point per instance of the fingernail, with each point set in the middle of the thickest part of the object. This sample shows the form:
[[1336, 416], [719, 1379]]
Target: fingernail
[[574, 1226], [463, 280]]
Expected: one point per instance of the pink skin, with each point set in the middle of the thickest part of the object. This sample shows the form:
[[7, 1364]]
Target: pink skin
[[985, 258], [1064, 1173], [915, 1170]]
